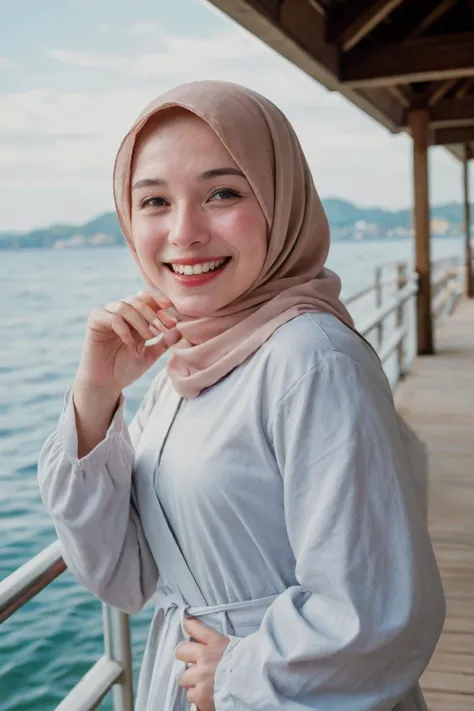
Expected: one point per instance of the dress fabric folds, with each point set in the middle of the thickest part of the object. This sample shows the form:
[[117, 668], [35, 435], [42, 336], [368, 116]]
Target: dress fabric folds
[[285, 507]]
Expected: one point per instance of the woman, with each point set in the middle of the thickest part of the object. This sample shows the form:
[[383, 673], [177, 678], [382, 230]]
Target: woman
[[266, 488]]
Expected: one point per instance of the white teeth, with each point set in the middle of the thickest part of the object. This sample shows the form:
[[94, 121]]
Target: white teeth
[[189, 269]]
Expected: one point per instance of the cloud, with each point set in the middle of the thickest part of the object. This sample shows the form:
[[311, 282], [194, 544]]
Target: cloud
[[48, 113], [5, 63], [176, 56], [104, 29], [60, 145], [76, 134], [143, 27], [22, 138]]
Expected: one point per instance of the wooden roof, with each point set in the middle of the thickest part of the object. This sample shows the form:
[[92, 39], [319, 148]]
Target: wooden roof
[[385, 56]]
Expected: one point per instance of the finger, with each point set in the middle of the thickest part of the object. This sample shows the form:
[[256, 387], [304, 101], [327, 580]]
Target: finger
[[192, 697], [132, 317], [153, 309], [167, 338], [188, 652], [119, 326], [190, 678], [155, 350], [132, 339], [163, 306], [148, 311], [157, 304], [158, 326], [171, 337], [150, 354], [158, 296], [201, 632], [166, 318]]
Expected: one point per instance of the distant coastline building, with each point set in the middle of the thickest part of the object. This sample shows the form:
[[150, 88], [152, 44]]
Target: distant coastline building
[[78, 240], [439, 226]]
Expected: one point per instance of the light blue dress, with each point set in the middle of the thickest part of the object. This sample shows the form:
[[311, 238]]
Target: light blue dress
[[284, 507]]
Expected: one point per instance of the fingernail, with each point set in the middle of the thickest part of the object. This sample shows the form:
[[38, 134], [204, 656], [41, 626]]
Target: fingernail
[[154, 329], [171, 312], [158, 325]]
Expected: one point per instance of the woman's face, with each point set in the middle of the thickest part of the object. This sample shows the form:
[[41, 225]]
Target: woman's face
[[199, 232]]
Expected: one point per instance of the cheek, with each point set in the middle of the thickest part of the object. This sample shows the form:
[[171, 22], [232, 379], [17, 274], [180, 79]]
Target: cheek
[[147, 239], [246, 232]]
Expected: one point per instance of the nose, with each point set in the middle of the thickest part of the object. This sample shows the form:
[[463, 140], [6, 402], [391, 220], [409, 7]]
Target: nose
[[188, 227]]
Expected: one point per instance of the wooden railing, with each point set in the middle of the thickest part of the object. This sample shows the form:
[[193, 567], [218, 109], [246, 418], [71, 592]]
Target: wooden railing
[[388, 322]]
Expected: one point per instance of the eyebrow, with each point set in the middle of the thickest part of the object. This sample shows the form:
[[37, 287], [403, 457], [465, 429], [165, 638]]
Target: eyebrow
[[207, 175]]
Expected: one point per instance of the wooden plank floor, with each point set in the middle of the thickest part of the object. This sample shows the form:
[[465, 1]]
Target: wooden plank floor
[[437, 399]]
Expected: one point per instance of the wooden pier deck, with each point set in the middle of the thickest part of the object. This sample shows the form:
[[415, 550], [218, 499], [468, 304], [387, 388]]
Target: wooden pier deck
[[437, 399]]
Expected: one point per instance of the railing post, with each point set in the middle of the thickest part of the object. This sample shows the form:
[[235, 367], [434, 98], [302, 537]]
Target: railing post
[[118, 647], [378, 304], [402, 274]]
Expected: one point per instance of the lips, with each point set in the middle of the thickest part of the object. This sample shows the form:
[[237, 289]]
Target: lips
[[200, 277], [195, 268]]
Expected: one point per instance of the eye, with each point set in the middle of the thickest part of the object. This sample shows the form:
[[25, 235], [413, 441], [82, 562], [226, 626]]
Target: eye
[[226, 194], [153, 202]]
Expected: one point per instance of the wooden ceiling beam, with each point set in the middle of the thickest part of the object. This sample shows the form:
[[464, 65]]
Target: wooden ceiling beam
[[400, 94], [433, 93], [451, 113], [430, 18], [426, 59], [317, 6], [447, 136], [465, 88], [356, 20], [298, 32], [439, 91]]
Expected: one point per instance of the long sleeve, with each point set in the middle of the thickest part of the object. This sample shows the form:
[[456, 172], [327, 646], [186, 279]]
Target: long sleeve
[[359, 627], [93, 507]]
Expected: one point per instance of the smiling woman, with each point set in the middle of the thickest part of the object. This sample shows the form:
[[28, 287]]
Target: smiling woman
[[266, 487], [198, 230]]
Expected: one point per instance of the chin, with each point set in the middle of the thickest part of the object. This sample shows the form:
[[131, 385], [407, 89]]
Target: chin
[[196, 307]]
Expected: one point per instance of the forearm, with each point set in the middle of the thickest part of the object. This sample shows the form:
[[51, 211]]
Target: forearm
[[94, 409], [92, 505]]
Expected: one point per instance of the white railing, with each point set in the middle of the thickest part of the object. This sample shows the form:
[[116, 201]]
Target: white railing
[[113, 670], [388, 326], [389, 302]]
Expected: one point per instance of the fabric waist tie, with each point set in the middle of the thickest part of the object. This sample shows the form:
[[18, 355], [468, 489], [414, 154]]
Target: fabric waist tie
[[227, 619]]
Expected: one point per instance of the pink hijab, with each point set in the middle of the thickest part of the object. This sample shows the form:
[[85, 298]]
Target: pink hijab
[[293, 279]]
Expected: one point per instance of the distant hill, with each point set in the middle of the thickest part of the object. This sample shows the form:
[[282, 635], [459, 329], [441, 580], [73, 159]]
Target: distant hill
[[105, 229], [344, 214], [105, 225]]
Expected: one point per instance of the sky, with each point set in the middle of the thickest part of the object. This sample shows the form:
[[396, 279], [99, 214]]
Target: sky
[[75, 75]]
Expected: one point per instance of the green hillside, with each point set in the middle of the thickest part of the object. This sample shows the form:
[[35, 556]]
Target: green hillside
[[341, 215]]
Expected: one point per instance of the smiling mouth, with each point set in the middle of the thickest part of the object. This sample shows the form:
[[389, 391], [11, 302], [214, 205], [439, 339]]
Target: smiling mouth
[[198, 269]]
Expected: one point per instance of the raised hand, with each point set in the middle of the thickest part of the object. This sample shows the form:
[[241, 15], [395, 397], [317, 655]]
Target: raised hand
[[114, 352], [114, 355]]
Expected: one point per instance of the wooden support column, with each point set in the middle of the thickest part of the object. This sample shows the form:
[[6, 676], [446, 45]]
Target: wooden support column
[[467, 226], [418, 120]]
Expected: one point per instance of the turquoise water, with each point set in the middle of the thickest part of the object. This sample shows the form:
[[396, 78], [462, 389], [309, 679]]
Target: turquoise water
[[46, 295]]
